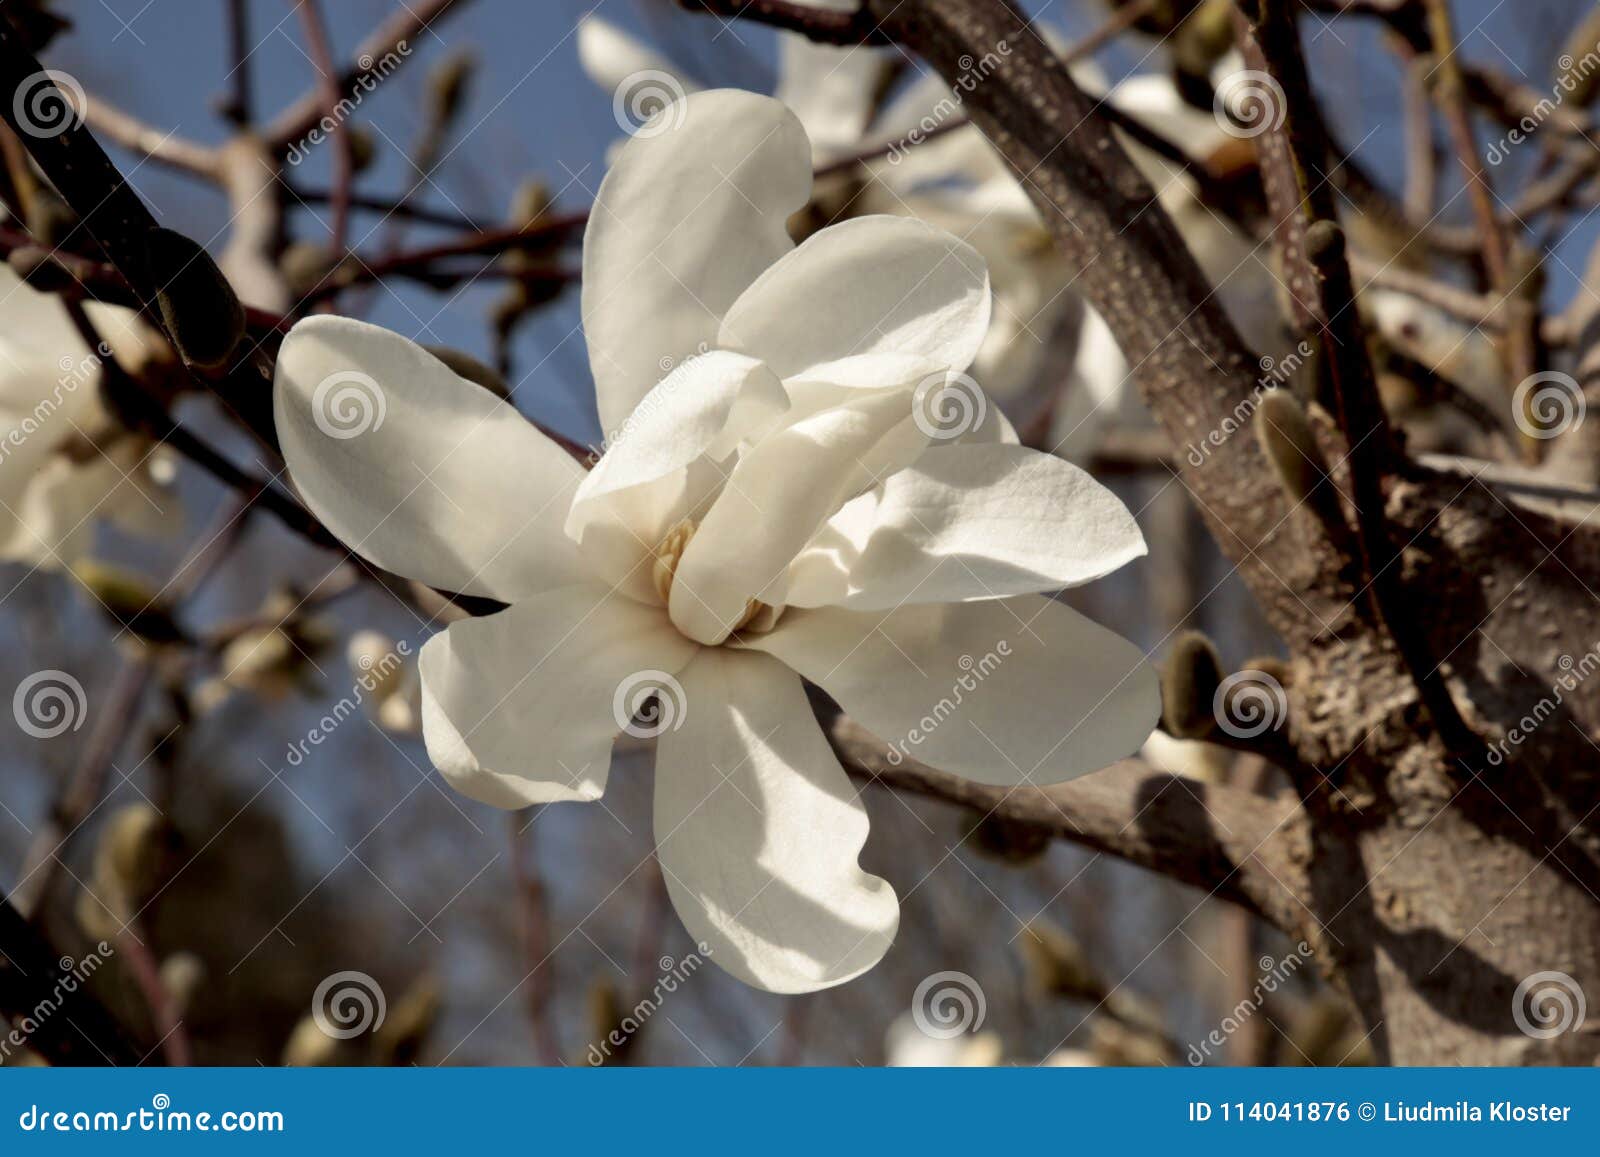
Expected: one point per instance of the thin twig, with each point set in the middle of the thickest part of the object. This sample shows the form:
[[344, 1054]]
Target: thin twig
[[382, 51], [328, 86]]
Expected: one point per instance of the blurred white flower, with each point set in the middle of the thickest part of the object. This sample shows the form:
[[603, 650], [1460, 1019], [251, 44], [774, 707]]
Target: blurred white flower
[[906, 1046], [773, 503], [64, 462], [393, 690], [1462, 354]]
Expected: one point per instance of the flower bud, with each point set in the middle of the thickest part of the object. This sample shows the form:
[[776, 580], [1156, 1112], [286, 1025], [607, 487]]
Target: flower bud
[[1286, 438], [1189, 681], [447, 84], [198, 306], [309, 1047], [404, 1032], [129, 601], [181, 976], [1057, 963]]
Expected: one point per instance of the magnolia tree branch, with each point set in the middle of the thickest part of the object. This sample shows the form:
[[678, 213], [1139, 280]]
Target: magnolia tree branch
[[824, 25], [375, 59], [1233, 845]]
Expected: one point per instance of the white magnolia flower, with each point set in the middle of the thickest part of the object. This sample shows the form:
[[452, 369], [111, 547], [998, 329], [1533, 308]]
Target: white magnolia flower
[[64, 462], [774, 503]]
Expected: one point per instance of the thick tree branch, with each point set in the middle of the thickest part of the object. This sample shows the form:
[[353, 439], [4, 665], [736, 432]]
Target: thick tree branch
[[1234, 845]]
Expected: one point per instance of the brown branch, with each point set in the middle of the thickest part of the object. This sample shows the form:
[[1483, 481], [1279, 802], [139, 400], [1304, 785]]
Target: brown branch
[[1231, 844], [1450, 90], [385, 47], [239, 107], [825, 26], [328, 85]]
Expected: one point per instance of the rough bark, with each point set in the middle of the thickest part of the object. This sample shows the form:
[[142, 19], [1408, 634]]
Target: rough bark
[[1430, 882]]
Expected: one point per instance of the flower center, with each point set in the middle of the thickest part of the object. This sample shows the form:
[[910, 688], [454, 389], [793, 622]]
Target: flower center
[[667, 556], [758, 616]]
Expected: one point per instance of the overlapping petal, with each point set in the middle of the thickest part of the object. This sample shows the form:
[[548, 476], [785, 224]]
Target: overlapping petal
[[758, 831], [1009, 691], [418, 470], [666, 462], [521, 707], [868, 285], [776, 498], [692, 211], [965, 523]]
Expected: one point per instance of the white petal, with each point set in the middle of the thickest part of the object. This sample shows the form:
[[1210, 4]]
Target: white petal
[[778, 495], [694, 208], [867, 285], [830, 89], [521, 707], [613, 57], [758, 831], [1011, 691], [420, 471], [965, 523], [650, 476]]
